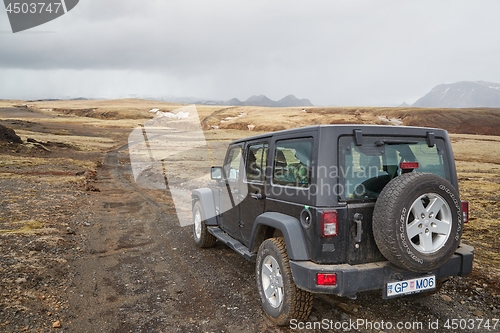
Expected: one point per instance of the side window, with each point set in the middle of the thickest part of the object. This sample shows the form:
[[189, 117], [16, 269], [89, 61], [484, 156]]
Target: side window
[[292, 162], [256, 162], [232, 164]]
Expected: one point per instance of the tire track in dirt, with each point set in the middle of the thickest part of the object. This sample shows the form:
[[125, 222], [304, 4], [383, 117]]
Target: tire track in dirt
[[204, 124]]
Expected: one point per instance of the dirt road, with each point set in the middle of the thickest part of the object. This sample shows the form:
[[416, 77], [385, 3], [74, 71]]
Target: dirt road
[[138, 270]]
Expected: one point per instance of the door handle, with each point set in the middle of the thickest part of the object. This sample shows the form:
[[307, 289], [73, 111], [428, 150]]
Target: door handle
[[358, 219], [258, 196]]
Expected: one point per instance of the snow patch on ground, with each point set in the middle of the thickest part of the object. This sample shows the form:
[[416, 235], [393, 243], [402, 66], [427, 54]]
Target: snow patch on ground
[[394, 121], [178, 115]]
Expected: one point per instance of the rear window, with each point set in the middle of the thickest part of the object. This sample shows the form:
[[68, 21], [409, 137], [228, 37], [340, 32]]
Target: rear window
[[366, 169]]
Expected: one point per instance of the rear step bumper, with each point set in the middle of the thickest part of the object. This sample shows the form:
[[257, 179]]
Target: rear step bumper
[[352, 279]]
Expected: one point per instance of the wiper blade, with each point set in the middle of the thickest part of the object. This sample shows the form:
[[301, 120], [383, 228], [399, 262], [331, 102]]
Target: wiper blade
[[395, 142]]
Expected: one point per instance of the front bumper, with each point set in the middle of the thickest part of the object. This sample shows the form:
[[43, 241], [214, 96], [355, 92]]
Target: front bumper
[[352, 279]]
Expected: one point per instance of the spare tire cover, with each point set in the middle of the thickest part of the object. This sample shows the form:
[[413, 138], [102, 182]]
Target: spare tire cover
[[417, 221]]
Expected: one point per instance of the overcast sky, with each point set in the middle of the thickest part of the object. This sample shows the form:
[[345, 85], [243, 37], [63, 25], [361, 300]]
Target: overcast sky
[[370, 52]]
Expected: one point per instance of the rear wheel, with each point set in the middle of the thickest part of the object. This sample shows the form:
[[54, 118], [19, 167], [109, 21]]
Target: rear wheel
[[281, 299], [202, 237]]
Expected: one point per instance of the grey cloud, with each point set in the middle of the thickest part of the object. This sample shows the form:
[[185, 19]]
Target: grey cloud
[[342, 52]]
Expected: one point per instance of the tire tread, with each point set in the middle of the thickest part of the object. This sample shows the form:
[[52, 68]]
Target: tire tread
[[386, 213], [300, 301]]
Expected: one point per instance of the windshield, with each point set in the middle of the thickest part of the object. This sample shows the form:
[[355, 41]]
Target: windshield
[[366, 169]]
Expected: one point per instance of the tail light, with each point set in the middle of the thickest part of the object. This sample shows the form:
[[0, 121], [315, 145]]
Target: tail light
[[329, 223], [408, 165], [465, 211], [326, 279]]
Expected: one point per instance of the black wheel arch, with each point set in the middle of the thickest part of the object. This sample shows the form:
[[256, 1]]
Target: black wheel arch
[[272, 224]]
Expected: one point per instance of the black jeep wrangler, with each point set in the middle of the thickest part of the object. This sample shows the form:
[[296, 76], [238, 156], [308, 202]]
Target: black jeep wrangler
[[338, 209]]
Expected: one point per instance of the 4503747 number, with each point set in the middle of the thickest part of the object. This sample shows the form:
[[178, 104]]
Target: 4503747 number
[[34, 8], [472, 324]]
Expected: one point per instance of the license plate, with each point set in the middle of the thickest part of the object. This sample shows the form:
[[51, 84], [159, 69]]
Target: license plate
[[412, 286]]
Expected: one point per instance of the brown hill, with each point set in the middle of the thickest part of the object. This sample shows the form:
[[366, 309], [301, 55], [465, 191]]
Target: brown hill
[[485, 121], [464, 121]]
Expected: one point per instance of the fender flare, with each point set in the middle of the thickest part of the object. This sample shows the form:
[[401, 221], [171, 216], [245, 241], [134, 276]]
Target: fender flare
[[292, 232], [206, 199]]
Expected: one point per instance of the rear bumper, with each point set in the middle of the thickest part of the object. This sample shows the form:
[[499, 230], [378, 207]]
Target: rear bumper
[[352, 279]]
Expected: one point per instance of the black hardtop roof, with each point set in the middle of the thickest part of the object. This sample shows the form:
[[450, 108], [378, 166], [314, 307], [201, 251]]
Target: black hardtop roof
[[349, 128]]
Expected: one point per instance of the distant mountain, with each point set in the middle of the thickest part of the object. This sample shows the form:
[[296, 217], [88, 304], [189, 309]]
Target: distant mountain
[[262, 100], [464, 94], [256, 100], [291, 100], [233, 101]]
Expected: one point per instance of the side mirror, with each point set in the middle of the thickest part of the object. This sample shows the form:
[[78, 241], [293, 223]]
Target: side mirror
[[216, 173]]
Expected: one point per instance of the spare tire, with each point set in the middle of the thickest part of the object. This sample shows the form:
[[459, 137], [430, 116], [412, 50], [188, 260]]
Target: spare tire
[[417, 221]]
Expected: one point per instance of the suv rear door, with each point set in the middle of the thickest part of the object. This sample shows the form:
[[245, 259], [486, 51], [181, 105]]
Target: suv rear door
[[366, 168]]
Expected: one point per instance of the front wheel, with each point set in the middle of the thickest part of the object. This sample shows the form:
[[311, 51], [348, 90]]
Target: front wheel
[[281, 299], [202, 237]]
